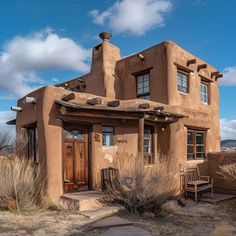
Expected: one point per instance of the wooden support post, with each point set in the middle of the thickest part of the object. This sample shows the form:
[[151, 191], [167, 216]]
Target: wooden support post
[[68, 97], [94, 101], [140, 138], [113, 103], [144, 106]]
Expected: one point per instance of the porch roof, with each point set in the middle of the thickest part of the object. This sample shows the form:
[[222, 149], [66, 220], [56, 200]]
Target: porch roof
[[72, 108]]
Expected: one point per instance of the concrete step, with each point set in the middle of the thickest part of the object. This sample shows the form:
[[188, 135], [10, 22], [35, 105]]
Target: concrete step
[[101, 212], [82, 201]]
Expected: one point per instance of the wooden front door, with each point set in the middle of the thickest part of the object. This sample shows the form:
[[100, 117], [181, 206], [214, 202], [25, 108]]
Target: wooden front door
[[75, 155]]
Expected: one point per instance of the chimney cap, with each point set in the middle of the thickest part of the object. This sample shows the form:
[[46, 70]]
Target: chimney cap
[[105, 36]]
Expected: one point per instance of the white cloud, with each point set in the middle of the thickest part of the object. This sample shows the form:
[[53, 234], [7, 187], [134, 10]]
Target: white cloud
[[23, 57], [228, 129], [229, 78], [132, 16]]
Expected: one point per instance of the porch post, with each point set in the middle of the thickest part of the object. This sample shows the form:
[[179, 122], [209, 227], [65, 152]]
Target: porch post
[[140, 137]]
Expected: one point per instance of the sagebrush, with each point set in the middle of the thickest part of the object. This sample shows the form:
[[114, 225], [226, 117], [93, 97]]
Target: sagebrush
[[228, 171], [141, 188], [22, 181]]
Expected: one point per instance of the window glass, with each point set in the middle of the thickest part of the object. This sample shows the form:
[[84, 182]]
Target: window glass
[[107, 136], [196, 144], [182, 82], [204, 93], [143, 86]]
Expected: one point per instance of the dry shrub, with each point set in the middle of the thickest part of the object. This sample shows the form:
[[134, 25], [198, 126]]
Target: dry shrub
[[228, 171], [22, 181], [142, 188]]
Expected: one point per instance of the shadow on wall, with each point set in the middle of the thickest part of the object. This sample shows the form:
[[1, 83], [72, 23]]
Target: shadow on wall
[[212, 166]]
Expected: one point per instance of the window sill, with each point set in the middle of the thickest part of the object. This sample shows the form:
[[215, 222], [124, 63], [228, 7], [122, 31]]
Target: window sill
[[183, 93]]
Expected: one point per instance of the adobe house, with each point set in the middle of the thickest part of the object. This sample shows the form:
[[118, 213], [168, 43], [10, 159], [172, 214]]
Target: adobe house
[[160, 101]]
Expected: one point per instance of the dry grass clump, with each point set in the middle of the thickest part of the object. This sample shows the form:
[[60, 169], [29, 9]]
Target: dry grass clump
[[228, 171], [141, 188], [224, 229], [21, 181]]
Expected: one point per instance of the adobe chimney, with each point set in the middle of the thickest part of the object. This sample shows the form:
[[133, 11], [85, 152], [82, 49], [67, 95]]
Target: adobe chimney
[[102, 79]]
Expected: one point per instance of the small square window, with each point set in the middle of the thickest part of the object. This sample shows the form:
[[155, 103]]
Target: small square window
[[107, 136], [182, 82]]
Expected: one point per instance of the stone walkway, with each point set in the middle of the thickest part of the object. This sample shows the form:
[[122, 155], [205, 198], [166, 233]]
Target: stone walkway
[[116, 226]]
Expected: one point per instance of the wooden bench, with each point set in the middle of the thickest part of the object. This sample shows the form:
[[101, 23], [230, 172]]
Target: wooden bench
[[195, 183]]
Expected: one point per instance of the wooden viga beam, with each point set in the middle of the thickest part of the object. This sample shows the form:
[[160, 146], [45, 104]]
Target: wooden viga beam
[[94, 101], [192, 61], [216, 74], [113, 103], [201, 66], [144, 106], [68, 97]]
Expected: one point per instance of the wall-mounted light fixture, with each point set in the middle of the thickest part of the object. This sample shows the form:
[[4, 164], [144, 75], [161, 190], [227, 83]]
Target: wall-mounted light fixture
[[141, 56], [163, 128], [13, 108]]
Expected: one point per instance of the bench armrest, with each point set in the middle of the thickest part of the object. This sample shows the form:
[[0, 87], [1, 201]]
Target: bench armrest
[[207, 178]]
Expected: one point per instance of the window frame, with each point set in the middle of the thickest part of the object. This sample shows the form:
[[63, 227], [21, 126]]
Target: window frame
[[108, 132], [194, 145], [149, 158], [208, 91], [144, 95], [33, 144], [187, 81]]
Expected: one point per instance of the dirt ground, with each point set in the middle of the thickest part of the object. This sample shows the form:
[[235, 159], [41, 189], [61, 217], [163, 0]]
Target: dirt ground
[[194, 219]]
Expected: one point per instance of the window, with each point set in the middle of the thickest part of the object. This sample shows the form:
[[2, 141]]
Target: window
[[33, 150], [148, 145], [143, 86], [182, 82], [196, 144], [204, 93], [107, 136]]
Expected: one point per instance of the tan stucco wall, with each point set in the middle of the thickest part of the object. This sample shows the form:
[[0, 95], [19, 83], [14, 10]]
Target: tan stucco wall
[[211, 167]]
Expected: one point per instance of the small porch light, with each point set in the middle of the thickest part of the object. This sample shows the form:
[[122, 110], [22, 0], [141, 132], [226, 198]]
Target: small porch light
[[163, 128]]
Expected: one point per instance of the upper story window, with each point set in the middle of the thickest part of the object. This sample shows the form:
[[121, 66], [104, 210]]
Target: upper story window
[[107, 136], [143, 86], [204, 93], [182, 81], [196, 144]]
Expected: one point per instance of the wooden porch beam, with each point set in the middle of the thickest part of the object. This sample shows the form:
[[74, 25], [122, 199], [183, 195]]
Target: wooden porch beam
[[201, 66], [68, 97], [192, 61], [94, 101]]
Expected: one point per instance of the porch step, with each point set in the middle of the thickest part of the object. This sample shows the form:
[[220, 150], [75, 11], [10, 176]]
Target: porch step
[[100, 212], [82, 201]]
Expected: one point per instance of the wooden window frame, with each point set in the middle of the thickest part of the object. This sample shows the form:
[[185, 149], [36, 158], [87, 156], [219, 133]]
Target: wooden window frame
[[208, 92], [187, 80], [149, 158], [194, 145], [146, 94], [32, 145], [113, 134]]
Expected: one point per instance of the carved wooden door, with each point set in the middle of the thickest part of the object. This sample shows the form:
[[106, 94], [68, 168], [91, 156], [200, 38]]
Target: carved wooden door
[[75, 161]]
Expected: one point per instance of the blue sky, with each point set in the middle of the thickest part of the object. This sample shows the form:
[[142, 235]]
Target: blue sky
[[43, 42]]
